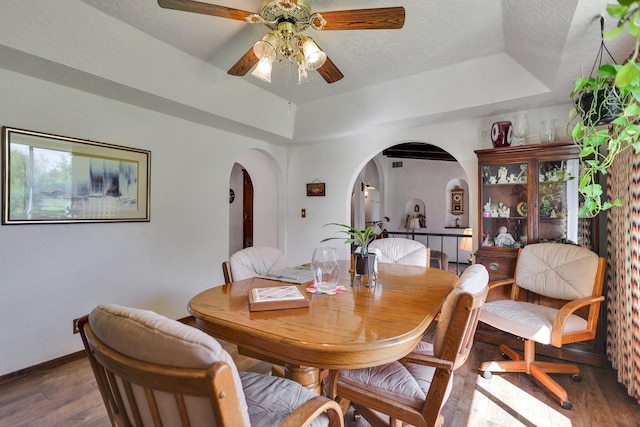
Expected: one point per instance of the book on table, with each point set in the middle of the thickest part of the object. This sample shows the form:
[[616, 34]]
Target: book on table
[[277, 298], [298, 275]]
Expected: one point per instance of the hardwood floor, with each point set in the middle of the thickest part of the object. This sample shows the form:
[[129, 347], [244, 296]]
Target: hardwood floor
[[68, 396]]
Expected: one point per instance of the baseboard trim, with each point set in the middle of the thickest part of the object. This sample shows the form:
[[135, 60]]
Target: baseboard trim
[[54, 363], [50, 364]]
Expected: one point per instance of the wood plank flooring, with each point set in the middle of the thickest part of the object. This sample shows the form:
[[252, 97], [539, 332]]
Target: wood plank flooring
[[68, 396]]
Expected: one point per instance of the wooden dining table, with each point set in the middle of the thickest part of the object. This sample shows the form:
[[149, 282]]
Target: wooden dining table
[[361, 327]]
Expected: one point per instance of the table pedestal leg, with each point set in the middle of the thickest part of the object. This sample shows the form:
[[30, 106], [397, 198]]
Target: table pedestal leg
[[307, 376]]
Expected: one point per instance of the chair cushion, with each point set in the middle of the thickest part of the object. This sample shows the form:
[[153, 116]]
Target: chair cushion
[[400, 251], [401, 381], [557, 270], [272, 399], [473, 280], [256, 261], [527, 320], [153, 338]]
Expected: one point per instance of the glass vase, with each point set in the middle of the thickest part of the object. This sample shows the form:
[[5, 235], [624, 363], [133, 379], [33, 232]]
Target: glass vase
[[548, 131], [324, 265], [521, 128]]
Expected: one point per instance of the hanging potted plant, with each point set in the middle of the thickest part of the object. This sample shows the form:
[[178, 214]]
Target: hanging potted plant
[[597, 99], [363, 259], [599, 145]]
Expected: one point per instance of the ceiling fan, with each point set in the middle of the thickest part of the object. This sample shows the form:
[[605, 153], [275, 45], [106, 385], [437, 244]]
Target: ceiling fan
[[287, 20]]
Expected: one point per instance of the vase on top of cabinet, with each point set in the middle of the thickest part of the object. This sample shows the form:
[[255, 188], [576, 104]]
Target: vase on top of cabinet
[[528, 194]]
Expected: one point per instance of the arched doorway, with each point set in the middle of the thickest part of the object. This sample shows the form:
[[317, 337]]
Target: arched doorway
[[256, 214], [414, 182]]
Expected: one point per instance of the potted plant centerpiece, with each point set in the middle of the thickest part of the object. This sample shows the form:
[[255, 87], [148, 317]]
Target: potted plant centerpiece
[[599, 145], [363, 259]]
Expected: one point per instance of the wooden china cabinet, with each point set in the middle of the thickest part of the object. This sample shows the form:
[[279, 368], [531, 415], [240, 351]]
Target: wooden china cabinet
[[529, 194]]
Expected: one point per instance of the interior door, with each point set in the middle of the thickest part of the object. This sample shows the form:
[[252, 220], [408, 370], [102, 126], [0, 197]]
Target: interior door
[[247, 210]]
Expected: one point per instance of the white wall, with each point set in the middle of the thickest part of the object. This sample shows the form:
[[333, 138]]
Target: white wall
[[51, 274], [339, 162]]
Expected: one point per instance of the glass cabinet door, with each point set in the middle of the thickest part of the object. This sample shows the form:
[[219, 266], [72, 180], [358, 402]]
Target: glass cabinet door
[[504, 205], [559, 203]]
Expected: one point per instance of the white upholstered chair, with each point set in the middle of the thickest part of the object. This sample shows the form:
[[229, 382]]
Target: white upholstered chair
[[153, 371], [252, 262], [400, 251], [414, 389], [570, 276]]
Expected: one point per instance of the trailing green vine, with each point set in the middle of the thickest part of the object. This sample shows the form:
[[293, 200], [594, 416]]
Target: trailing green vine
[[601, 144]]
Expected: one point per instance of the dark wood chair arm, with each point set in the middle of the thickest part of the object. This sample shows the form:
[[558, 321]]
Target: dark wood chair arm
[[312, 409], [427, 360]]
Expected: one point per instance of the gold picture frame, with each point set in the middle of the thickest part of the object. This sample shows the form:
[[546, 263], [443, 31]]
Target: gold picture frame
[[315, 189]]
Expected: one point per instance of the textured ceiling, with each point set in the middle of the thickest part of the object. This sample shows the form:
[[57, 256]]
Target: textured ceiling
[[453, 60], [436, 33]]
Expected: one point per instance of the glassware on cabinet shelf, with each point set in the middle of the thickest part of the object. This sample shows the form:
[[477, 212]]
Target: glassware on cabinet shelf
[[548, 131], [521, 128]]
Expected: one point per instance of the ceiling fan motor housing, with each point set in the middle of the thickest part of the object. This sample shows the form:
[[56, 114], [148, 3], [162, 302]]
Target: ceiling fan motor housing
[[296, 12]]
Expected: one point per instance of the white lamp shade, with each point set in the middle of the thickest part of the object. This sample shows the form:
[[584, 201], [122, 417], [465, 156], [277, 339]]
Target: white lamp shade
[[263, 70], [314, 58], [466, 242], [265, 48], [414, 223]]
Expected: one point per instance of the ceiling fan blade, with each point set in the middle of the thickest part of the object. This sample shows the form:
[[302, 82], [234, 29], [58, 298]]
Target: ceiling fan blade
[[384, 18], [204, 8], [330, 72], [244, 64]]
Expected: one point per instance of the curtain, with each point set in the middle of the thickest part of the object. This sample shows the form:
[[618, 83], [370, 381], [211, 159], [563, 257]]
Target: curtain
[[623, 272]]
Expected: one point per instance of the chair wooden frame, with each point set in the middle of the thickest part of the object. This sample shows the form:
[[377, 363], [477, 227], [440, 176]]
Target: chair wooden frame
[[526, 363], [226, 272], [216, 383], [456, 349]]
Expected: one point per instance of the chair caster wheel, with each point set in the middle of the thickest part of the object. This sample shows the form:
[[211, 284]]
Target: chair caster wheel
[[487, 375], [577, 377], [356, 416], [566, 405]]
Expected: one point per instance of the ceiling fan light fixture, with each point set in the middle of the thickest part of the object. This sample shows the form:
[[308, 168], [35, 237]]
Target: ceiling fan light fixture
[[263, 70], [265, 48], [303, 73], [314, 58]]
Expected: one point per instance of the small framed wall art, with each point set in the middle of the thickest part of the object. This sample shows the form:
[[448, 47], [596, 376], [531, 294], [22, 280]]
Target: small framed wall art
[[315, 188], [50, 179]]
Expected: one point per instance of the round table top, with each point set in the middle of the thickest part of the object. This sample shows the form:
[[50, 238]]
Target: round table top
[[358, 328]]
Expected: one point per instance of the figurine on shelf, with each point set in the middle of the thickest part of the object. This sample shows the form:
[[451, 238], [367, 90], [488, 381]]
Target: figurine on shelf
[[504, 239], [502, 175], [522, 176], [503, 211], [487, 207]]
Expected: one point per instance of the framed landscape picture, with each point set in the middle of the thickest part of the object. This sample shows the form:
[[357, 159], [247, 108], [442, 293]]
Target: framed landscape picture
[[56, 179]]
